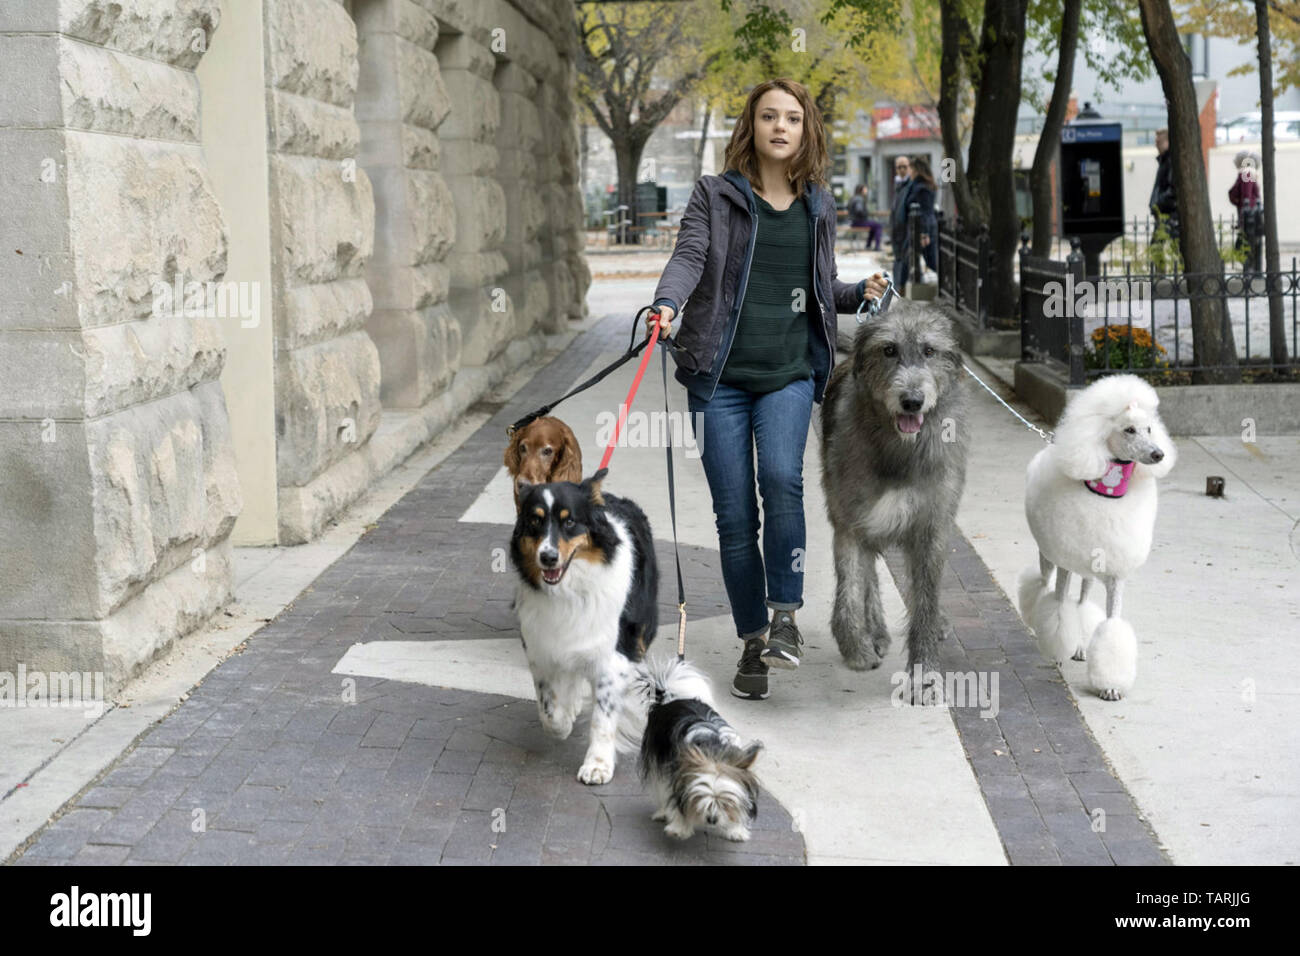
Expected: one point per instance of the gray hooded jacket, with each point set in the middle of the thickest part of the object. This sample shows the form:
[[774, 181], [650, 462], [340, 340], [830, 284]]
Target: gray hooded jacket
[[704, 281]]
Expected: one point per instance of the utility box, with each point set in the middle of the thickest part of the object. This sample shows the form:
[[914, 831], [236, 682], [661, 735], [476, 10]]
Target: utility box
[[1092, 185]]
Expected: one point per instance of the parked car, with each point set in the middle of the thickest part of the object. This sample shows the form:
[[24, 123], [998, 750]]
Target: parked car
[[1249, 127]]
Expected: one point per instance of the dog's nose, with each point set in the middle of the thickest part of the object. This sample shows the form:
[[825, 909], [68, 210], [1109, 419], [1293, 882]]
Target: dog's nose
[[713, 819], [911, 403], [548, 559], [1157, 455]]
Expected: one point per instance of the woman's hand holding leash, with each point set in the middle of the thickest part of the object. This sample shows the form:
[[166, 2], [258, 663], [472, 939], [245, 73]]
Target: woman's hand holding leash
[[876, 286], [664, 314], [884, 283]]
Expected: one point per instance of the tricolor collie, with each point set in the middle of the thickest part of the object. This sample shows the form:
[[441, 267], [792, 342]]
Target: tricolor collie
[[586, 598]]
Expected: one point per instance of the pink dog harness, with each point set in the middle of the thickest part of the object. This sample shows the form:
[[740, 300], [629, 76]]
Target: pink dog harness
[[1114, 483]]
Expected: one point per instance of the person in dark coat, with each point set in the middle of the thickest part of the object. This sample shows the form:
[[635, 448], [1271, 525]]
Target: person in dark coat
[[919, 189], [1164, 200], [898, 217], [923, 192]]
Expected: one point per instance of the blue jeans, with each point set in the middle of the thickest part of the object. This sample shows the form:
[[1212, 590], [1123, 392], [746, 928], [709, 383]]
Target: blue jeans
[[727, 428]]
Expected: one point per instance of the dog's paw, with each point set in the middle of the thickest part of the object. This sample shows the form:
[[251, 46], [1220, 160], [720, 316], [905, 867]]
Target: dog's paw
[[680, 829], [1112, 658], [1029, 588], [880, 643], [736, 834], [945, 627], [558, 724], [595, 771], [865, 659], [927, 691], [1090, 616]]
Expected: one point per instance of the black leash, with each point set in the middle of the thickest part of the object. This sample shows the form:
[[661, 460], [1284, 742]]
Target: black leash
[[672, 508], [627, 356]]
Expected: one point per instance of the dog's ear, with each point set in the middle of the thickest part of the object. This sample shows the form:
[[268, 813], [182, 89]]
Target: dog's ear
[[592, 485], [513, 457], [1079, 443], [749, 755], [568, 457], [953, 355]]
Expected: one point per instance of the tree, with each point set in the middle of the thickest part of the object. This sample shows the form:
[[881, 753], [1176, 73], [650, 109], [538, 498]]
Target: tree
[[1277, 41], [849, 53], [1040, 174], [1212, 339], [624, 50], [1273, 264], [985, 184], [1121, 56]]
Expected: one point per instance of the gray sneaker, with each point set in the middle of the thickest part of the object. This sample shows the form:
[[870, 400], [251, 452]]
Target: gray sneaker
[[783, 642], [751, 673]]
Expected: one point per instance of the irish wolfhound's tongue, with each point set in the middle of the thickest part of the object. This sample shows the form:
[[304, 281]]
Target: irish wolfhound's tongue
[[910, 424]]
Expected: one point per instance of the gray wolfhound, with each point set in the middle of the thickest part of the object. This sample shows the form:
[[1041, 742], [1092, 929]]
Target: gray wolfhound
[[894, 443]]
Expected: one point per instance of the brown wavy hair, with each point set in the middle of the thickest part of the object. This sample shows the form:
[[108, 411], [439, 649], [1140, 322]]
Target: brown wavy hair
[[812, 161]]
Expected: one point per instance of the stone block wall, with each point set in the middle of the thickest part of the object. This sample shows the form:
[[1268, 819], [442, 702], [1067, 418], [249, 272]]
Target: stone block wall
[[477, 265], [402, 101], [322, 234], [117, 481], [422, 230]]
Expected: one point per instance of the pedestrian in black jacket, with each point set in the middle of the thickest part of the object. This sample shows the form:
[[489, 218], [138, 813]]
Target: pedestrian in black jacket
[[1164, 200]]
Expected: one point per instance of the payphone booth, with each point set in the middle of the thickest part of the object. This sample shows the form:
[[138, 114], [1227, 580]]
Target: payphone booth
[[1092, 185]]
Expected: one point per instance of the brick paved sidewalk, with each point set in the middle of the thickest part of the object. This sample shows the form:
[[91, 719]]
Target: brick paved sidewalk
[[278, 768], [281, 769], [1052, 796]]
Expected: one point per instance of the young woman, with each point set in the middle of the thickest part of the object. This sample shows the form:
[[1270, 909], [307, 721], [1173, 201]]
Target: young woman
[[755, 257]]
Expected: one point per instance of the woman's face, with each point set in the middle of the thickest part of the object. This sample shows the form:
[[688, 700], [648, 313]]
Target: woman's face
[[778, 126]]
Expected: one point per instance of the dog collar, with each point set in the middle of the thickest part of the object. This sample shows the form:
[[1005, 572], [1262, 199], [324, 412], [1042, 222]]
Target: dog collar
[[1114, 482]]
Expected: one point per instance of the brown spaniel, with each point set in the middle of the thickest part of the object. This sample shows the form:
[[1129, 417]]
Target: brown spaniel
[[544, 450]]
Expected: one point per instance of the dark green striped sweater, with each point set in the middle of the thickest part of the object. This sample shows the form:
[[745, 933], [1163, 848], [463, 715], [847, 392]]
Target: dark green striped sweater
[[771, 347]]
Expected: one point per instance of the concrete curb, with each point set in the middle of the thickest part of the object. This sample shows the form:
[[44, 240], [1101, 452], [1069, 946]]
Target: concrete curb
[[1272, 409]]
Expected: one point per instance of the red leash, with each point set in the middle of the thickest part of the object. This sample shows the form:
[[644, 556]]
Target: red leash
[[627, 402]]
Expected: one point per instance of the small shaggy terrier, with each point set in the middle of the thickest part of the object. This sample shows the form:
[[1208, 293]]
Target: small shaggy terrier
[[696, 764], [1090, 499]]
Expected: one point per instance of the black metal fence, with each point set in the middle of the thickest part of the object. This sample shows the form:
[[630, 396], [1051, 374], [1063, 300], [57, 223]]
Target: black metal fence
[[1141, 235], [964, 270], [1141, 321], [1046, 335]]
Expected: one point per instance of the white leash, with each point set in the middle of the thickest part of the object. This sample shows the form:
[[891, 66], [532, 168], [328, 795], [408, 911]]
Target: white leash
[[1046, 436], [876, 306]]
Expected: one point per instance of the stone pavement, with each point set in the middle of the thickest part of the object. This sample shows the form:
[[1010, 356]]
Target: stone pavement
[[267, 762], [1051, 794]]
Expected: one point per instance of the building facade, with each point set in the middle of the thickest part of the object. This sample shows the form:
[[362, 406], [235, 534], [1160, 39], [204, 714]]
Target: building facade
[[256, 253]]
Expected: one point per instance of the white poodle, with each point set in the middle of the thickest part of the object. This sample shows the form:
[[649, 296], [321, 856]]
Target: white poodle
[[1090, 498]]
